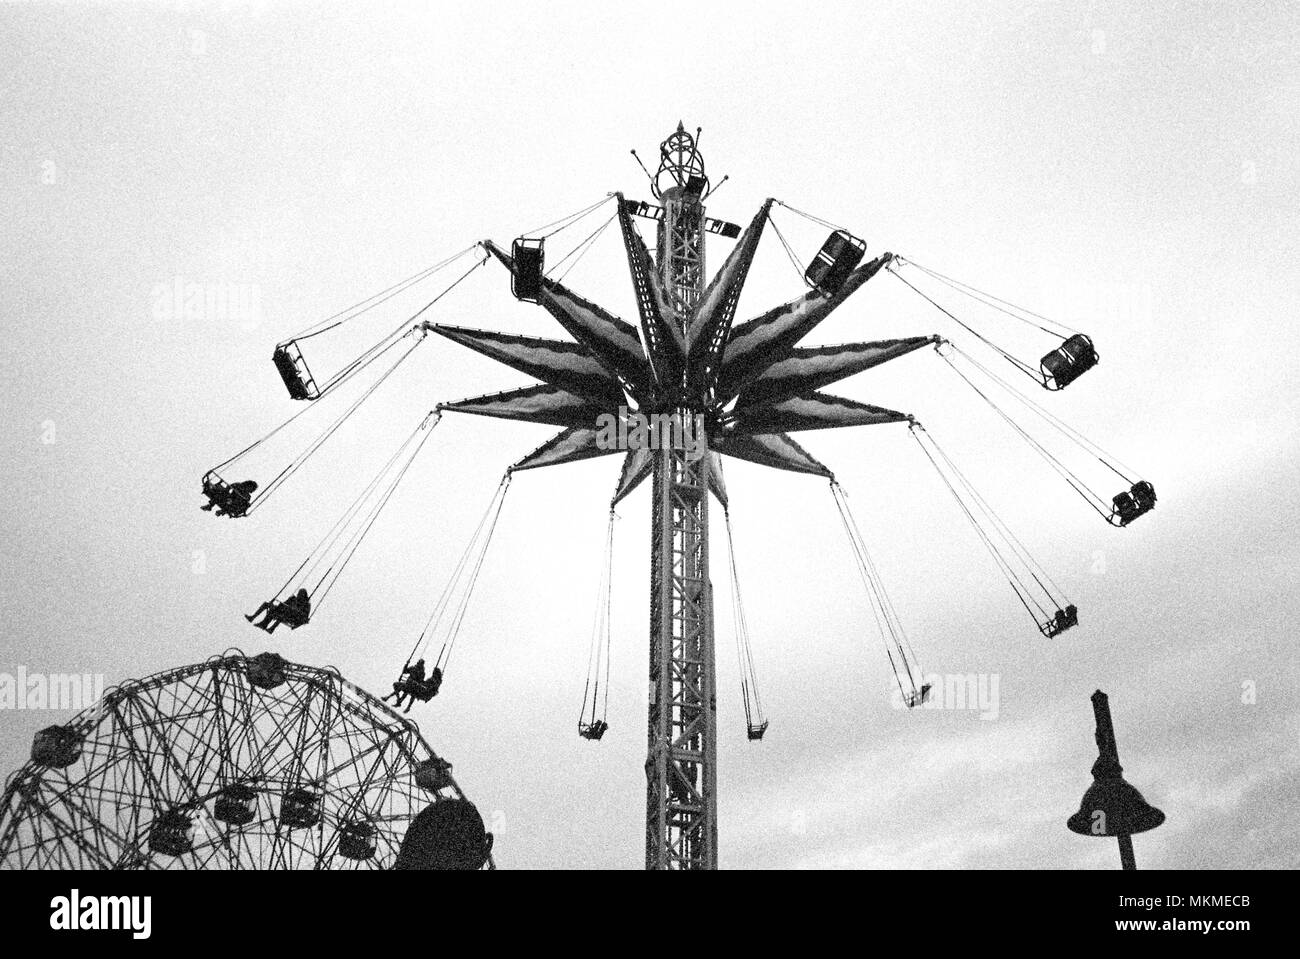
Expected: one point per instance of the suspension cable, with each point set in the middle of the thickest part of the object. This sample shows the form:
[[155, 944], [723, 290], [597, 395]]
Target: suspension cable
[[564, 222], [1017, 363], [345, 315], [808, 216], [581, 249], [373, 353], [1089, 496], [973, 502], [320, 439], [789, 250], [336, 569], [1108, 460], [601, 630], [1028, 317], [308, 568], [407, 328], [754, 714], [882, 609], [463, 578]]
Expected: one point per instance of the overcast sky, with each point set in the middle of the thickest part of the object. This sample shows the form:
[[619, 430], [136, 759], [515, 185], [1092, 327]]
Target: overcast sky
[[1127, 169]]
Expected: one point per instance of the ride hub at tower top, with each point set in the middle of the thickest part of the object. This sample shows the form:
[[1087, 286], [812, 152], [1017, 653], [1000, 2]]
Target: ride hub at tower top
[[755, 382]]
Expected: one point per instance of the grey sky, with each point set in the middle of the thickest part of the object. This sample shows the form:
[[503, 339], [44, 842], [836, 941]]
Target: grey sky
[[1128, 169]]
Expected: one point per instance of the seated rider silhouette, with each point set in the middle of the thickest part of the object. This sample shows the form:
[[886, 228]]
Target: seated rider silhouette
[[293, 612], [231, 500], [403, 688]]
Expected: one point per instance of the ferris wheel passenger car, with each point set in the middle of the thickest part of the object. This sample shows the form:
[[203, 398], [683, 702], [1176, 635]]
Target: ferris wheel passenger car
[[236, 806], [171, 833], [300, 809], [57, 747]]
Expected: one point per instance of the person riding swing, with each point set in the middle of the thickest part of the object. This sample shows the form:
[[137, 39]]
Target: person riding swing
[[414, 687], [293, 612]]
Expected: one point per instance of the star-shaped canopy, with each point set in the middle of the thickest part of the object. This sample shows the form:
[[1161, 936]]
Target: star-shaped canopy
[[752, 382]]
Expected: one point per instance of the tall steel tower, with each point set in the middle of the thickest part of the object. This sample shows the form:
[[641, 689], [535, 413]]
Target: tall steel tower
[[681, 750], [732, 391]]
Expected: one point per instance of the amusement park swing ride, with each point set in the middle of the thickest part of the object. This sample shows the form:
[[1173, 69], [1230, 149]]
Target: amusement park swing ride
[[750, 385]]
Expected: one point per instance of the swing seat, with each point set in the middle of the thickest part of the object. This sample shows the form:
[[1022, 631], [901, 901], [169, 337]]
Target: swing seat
[[300, 809], [293, 370], [170, 834], [1139, 499], [593, 731], [293, 612], [834, 262], [1068, 362], [919, 697], [1063, 620], [236, 806], [422, 689], [57, 747], [526, 279], [228, 499], [357, 841], [755, 730]]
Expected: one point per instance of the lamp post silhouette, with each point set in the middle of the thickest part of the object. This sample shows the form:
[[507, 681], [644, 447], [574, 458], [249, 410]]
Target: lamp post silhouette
[[1111, 806]]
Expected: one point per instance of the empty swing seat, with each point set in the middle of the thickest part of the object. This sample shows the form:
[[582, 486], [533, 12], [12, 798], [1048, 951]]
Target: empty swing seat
[[1059, 623], [170, 834], [57, 747], [526, 278], [1068, 362], [300, 809], [236, 806], [593, 731], [293, 369], [919, 697], [755, 730], [228, 499], [834, 262], [1128, 506], [357, 841]]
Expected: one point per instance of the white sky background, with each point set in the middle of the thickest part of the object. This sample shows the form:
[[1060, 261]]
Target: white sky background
[[1127, 169]]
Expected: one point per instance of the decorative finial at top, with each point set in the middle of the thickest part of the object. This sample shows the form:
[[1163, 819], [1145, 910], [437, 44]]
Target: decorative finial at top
[[680, 165]]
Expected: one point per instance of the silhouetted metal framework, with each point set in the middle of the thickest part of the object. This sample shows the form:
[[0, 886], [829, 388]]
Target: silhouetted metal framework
[[232, 763], [686, 363]]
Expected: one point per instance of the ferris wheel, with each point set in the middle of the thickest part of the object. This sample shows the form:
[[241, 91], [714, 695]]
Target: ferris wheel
[[237, 763]]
